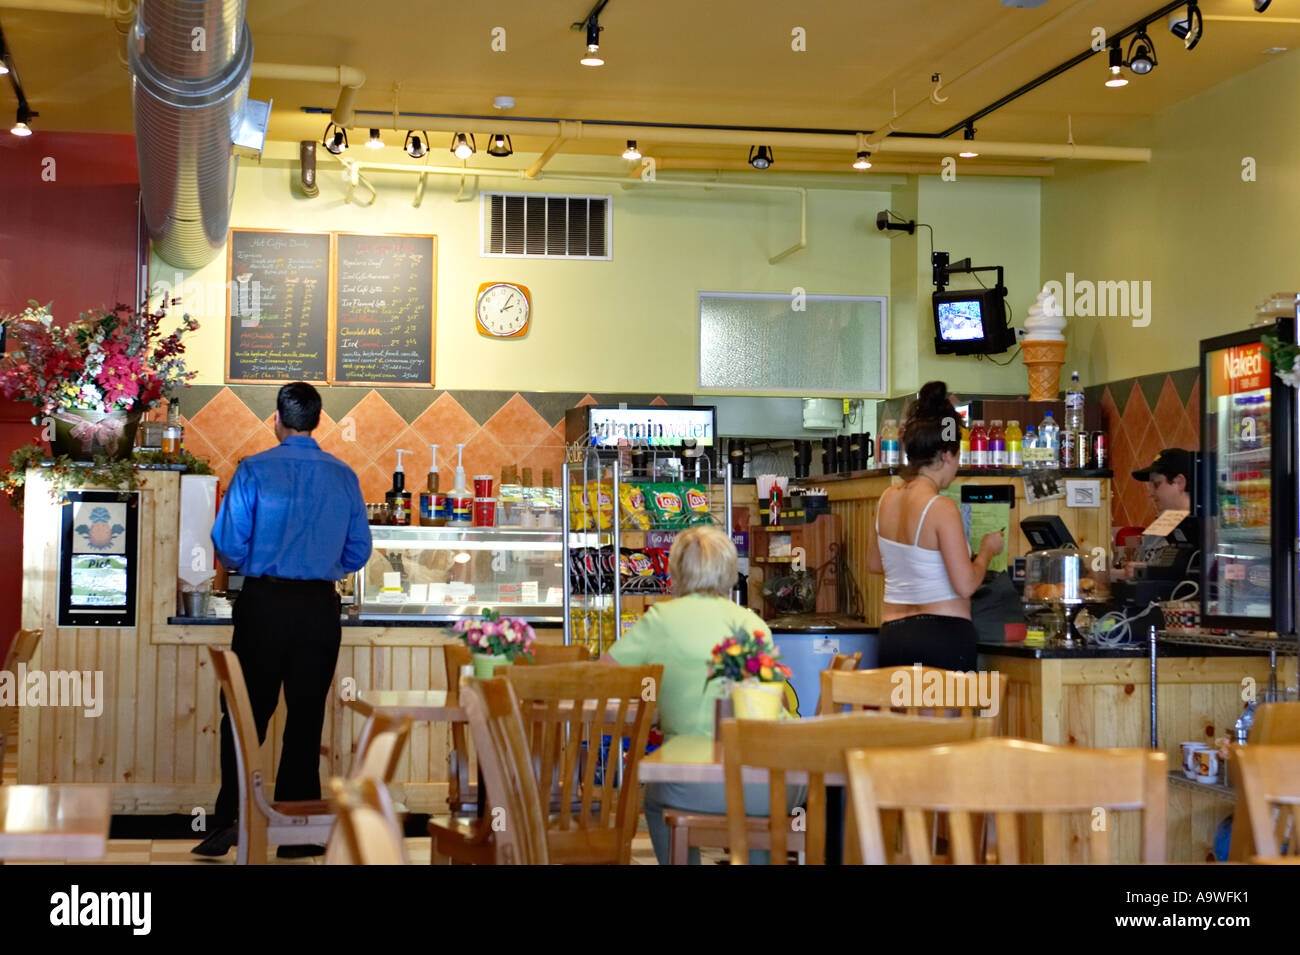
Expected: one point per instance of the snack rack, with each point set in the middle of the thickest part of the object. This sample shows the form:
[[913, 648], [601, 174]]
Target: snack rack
[[583, 593]]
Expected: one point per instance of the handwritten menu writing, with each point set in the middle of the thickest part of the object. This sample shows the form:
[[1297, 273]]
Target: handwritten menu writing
[[384, 309], [278, 298]]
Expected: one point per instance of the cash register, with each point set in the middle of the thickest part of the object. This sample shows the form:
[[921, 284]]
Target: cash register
[[1166, 562]]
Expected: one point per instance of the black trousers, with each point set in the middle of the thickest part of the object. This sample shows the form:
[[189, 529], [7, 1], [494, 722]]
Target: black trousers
[[931, 639], [287, 634]]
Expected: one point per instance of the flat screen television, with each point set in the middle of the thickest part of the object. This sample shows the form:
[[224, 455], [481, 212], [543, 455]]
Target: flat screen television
[[971, 322]]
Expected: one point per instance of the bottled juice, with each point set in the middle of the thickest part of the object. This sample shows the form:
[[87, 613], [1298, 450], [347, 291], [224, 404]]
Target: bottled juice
[[890, 452], [1015, 439], [979, 446], [997, 445], [963, 459]]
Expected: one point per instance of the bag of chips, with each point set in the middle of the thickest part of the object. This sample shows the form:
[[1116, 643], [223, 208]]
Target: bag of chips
[[637, 570], [635, 516], [580, 513], [600, 505], [696, 499], [665, 505]]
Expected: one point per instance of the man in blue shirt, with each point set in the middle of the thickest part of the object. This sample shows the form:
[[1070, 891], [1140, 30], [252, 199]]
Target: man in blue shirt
[[292, 522]]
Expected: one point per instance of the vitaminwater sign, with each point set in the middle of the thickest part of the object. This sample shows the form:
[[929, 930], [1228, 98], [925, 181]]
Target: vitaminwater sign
[[1238, 369], [655, 426]]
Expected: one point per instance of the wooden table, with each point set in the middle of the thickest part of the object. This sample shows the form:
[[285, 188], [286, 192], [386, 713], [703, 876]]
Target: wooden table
[[698, 759], [54, 822], [420, 705]]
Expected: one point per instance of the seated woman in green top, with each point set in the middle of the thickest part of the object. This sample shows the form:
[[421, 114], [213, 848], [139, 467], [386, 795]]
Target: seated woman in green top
[[681, 635]]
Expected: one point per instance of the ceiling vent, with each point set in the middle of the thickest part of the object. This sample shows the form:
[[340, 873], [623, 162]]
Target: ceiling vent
[[533, 226]]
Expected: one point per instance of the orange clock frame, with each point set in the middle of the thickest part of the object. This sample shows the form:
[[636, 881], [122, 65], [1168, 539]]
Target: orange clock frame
[[528, 297]]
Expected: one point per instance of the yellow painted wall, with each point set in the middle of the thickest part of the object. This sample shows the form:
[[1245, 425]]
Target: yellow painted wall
[[1212, 245]]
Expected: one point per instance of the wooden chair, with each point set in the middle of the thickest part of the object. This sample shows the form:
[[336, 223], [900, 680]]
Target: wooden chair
[[547, 654], [815, 746], [261, 821], [886, 688], [367, 831], [379, 750], [1275, 724], [20, 651], [1004, 777], [690, 830], [515, 818], [840, 662], [1269, 780]]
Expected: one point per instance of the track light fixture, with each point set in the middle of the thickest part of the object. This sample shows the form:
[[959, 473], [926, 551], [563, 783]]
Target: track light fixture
[[463, 146], [501, 146], [374, 142], [335, 142], [632, 153], [1262, 5], [20, 126], [760, 157], [1188, 26], [417, 144], [4, 67], [863, 161], [969, 152], [1116, 77], [1142, 53], [592, 57]]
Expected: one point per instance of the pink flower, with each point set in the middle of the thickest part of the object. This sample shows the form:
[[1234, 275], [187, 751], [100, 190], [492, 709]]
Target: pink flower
[[752, 665]]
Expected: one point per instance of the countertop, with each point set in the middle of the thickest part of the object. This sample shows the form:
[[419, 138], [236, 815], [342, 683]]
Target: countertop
[[1140, 651], [347, 621]]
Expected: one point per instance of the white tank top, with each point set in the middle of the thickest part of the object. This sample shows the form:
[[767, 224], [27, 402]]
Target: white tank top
[[914, 574]]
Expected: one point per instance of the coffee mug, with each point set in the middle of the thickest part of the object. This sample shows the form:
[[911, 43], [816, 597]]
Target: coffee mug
[[1207, 764], [1189, 759]]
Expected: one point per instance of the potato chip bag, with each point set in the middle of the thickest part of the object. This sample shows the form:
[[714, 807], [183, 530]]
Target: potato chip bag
[[696, 499], [632, 498], [665, 505], [580, 513], [600, 505]]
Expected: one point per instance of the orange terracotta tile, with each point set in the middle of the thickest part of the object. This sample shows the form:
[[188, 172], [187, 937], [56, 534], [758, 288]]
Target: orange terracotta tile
[[375, 423], [517, 423], [374, 483], [1168, 414], [200, 447], [445, 423], [1110, 416], [544, 456], [224, 470], [416, 464], [1186, 436], [1193, 407], [226, 421], [484, 455], [337, 444], [658, 401], [260, 440], [324, 429], [586, 400]]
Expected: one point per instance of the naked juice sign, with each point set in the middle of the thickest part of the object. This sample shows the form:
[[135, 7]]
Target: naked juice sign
[[1238, 369]]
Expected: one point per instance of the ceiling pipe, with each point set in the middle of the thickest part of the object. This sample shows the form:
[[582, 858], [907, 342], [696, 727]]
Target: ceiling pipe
[[111, 9], [349, 80], [565, 131], [839, 168]]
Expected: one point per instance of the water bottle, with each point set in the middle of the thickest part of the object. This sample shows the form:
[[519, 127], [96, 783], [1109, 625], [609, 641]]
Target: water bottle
[[1074, 405], [1029, 448], [1049, 440]]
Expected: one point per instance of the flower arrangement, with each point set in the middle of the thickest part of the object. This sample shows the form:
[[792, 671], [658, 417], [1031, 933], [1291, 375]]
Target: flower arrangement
[[102, 471], [109, 362], [495, 635], [747, 655], [1282, 356]]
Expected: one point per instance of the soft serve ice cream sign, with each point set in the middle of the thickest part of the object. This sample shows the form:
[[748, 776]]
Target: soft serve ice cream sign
[[1043, 346]]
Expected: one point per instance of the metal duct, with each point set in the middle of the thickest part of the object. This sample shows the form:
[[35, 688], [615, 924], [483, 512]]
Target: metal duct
[[190, 64]]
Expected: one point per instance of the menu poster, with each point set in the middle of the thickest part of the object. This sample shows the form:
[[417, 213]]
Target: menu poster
[[277, 306], [384, 312]]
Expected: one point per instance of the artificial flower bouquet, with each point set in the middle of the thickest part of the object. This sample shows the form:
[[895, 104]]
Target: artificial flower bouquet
[[748, 655], [1282, 356], [494, 635]]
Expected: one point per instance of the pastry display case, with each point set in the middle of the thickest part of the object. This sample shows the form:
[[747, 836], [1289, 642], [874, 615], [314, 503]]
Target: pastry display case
[[441, 574]]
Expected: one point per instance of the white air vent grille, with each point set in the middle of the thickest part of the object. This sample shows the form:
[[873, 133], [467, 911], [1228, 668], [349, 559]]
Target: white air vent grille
[[519, 225]]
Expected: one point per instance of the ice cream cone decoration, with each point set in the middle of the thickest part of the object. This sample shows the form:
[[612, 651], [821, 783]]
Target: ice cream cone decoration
[[1043, 348]]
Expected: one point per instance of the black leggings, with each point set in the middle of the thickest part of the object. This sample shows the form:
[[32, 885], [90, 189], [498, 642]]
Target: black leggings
[[931, 639]]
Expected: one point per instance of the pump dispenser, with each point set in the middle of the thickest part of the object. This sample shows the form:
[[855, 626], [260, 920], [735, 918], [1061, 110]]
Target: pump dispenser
[[459, 487], [431, 502], [462, 501], [399, 499]]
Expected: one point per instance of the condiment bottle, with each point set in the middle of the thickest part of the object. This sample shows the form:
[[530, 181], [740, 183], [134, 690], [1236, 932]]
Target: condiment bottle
[[399, 499], [963, 458], [997, 445], [431, 512], [979, 446], [173, 434], [890, 452], [1015, 444]]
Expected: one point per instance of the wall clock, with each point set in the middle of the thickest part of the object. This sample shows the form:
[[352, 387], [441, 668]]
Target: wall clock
[[503, 310]]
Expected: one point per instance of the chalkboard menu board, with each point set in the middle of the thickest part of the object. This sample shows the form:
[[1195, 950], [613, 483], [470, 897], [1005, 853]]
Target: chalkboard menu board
[[277, 306], [384, 300]]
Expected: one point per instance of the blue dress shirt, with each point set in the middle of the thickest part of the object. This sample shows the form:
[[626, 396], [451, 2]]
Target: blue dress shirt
[[293, 511]]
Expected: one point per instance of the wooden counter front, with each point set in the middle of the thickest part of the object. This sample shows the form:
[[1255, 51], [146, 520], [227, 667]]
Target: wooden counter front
[[156, 741]]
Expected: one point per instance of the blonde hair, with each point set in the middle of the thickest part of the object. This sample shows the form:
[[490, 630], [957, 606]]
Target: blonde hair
[[702, 561]]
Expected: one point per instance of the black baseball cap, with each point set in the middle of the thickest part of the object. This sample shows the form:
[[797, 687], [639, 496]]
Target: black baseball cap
[[1170, 463]]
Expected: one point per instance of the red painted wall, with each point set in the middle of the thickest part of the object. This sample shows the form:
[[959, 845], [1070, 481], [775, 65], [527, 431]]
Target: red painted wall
[[68, 231]]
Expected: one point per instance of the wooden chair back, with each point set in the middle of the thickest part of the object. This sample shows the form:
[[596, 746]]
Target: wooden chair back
[[916, 690], [1007, 778], [506, 764], [21, 649], [461, 793], [546, 654], [1276, 724], [572, 707], [815, 746], [366, 831], [379, 747], [248, 752], [1269, 777], [839, 661]]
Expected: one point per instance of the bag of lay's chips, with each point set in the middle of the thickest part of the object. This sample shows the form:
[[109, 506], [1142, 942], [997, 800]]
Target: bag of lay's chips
[[600, 505], [581, 514], [665, 505], [635, 516], [696, 499]]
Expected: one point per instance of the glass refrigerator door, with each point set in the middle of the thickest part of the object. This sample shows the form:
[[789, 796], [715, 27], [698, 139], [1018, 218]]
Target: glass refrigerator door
[[1237, 550]]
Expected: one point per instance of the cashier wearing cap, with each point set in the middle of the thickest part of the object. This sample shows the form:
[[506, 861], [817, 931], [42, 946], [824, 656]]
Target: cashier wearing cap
[[1169, 479]]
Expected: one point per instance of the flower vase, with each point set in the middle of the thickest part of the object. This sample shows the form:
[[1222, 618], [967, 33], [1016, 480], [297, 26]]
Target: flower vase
[[486, 663], [756, 700], [82, 434]]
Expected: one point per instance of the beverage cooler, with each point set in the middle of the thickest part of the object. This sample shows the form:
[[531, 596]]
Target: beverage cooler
[[1248, 485]]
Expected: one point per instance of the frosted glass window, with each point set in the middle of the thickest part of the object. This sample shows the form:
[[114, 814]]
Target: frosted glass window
[[750, 341]]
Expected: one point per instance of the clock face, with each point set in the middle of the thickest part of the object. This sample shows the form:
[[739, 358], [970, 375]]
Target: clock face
[[502, 310]]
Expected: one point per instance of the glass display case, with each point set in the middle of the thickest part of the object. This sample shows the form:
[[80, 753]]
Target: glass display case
[[444, 573]]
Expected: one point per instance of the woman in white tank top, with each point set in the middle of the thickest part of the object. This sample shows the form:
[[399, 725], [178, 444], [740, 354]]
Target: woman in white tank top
[[919, 544]]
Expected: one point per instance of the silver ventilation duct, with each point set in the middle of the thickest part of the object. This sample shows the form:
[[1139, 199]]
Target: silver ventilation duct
[[190, 64]]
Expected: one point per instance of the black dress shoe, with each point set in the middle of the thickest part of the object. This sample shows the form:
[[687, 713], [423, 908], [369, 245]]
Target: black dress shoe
[[217, 844], [298, 852]]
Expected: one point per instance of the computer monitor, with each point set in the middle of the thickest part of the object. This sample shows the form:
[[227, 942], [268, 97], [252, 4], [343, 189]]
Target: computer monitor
[[1047, 533]]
